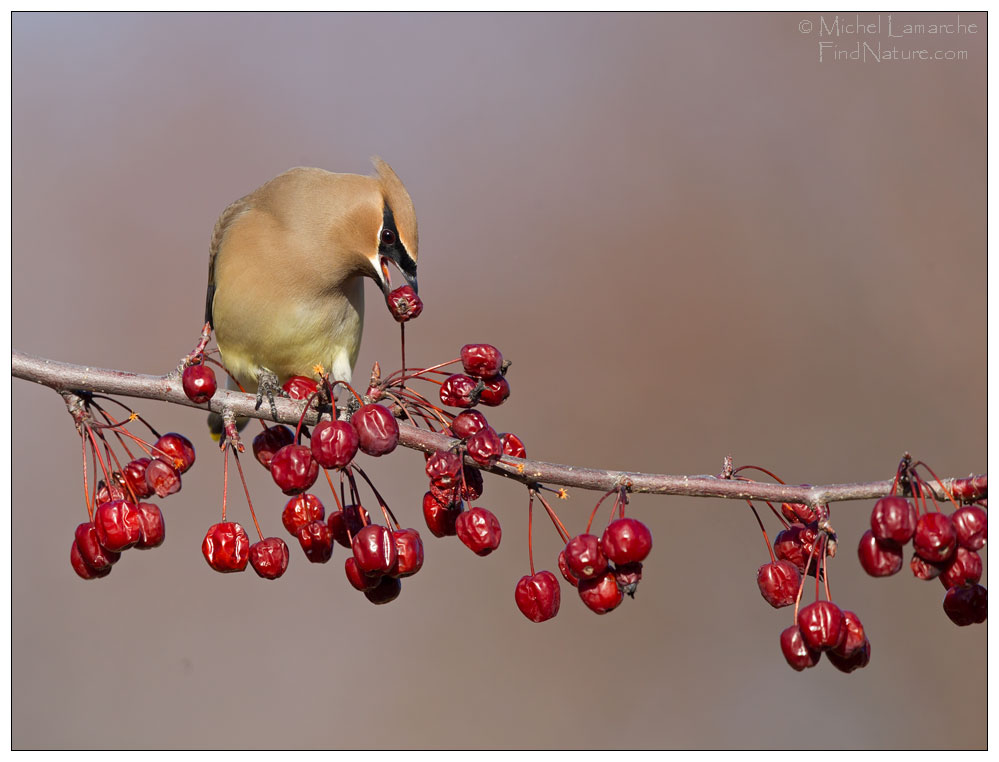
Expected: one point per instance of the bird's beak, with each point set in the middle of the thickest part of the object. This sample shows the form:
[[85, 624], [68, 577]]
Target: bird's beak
[[384, 274]]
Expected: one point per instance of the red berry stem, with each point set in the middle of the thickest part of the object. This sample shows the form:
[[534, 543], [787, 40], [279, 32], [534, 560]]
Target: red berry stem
[[402, 341], [530, 530], [766, 539], [386, 511], [355, 495], [425, 370], [329, 481], [943, 489], [593, 513], [559, 526], [86, 488], [95, 449], [246, 491], [825, 570], [225, 479], [771, 474]]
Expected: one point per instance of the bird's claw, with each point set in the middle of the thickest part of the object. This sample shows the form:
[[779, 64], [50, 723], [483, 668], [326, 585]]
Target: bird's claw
[[267, 384]]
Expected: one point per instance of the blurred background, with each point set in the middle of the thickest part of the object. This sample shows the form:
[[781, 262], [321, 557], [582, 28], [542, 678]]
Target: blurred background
[[691, 236]]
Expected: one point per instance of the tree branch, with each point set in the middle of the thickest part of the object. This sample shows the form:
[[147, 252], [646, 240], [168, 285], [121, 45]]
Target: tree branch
[[66, 377]]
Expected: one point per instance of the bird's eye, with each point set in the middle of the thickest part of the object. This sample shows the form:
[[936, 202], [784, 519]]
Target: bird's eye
[[387, 236]]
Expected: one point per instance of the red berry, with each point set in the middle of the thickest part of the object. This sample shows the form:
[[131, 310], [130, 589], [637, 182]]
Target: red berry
[[97, 557], [563, 566], [162, 478], [485, 447], [409, 553], [153, 528], [377, 430], [316, 541], [444, 468], [471, 488], [894, 518], [794, 544], [118, 525], [796, 651], [269, 441], [440, 519], [301, 510], [269, 557], [628, 576], [601, 594], [300, 387], [966, 605], [923, 569], [176, 449], [386, 591], [495, 391], [799, 512], [538, 596], [859, 658], [971, 526], [481, 360], [134, 476], [467, 423], [106, 494], [459, 391], [294, 469], [584, 556], [334, 443], [970, 489], [226, 547], [346, 523], [358, 579], [855, 636], [199, 383], [479, 530], [374, 549], [935, 538], [82, 568], [964, 568], [779, 582], [512, 446], [821, 625], [626, 541], [880, 558], [404, 304]]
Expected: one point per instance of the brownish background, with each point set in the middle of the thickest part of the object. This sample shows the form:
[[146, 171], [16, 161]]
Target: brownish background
[[692, 239]]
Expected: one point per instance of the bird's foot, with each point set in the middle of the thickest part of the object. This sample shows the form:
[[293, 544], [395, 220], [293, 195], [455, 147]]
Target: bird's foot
[[269, 386]]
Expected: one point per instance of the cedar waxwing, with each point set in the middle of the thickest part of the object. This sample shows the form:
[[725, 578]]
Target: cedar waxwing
[[287, 268]]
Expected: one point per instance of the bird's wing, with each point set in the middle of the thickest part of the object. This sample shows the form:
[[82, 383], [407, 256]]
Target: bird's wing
[[228, 216]]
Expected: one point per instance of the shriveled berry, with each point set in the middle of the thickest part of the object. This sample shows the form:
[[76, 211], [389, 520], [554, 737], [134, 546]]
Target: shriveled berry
[[459, 390], [134, 476], [471, 488], [793, 544], [935, 537], [409, 553], [601, 594], [971, 526], [377, 429], [404, 304], [294, 469], [90, 549], [484, 447], [796, 651], [163, 478], [226, 547], [176, 449], [584, 556], [856, 660], [118, 525], [855, 636], [300, 387], [301, 510], [334, 443], [971, 489], [778, 583], [269, 441], [799, 512], [316, 541], [626, 541], [374, 549], [346, 523], [964, 568], [966, 605], [444, 468], [495, 391], [153, 526], [479, 530], [880, 558], [821, 625], [894, 518], [923, 569], [563, 566], [481, 360], [467, 423], [358, 579], [82, 568], [538, 596], [440, 519], [628, 576], [386, 591], [199, 383], [106, 494], [512, 445], [269, 557]]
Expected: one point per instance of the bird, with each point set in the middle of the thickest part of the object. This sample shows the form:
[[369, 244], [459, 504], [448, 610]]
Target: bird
[[286, 272]]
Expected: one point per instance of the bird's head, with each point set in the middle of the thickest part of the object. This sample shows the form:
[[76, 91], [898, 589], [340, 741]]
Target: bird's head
[[398, 238]]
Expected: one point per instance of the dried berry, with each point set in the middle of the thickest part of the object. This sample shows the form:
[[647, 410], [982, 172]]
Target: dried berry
[[199, 383], [626, 541], [880, 558], [485, 447], [153, 527], [269, 441], [467, 423], [162, 478], [118, 525], [601, 594], [971, 526], [404, 304], [226, 547], [316, 541], [479, 530], [796, 651], [778, 583], [495, 391], [377, 430], [334, 443], [894, 518], [294, 469], [175, 449], [538, 596], [512, 446], [966, 605], [584, 556], [481, 360], [374, 549], [300, 387], [301, 510], [409, 553], [821, 624], [459, 391], [935, 537], [269, 557]]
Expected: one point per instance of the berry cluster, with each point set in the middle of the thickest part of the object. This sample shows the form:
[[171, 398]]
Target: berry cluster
[[945, 546], [119, 518]]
